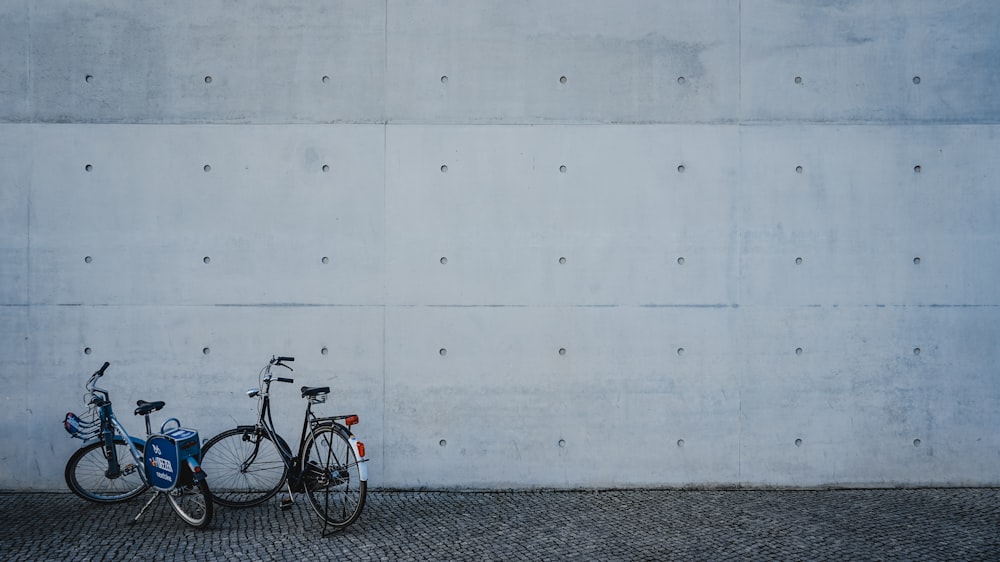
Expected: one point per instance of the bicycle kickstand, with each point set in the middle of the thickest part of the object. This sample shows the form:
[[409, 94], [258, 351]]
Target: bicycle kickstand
[[145, 507], [287, 501]]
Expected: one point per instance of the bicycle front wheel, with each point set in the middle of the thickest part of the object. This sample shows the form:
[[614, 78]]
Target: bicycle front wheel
[[87, 473], [331, 476], [244, 465], [192, 502]]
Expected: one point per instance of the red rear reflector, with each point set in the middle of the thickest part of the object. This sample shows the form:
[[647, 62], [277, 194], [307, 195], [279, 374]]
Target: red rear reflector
[[351, 420], [361, 448]]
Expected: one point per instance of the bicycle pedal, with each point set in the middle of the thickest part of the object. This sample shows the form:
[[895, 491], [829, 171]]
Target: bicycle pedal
[[286, 504]]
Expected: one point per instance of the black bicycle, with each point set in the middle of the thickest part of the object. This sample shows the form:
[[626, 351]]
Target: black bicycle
[[250, 463]]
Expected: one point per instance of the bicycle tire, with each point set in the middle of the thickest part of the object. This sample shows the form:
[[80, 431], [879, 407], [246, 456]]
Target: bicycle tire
[[86, 474], [331, 476], [193, 503], [236, 485]]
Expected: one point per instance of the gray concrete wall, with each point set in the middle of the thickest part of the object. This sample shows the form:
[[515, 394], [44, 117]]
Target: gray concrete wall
[[531, 243]]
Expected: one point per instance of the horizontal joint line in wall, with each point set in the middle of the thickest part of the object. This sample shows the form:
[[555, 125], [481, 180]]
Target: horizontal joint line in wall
[[399, 305], [197, 305]]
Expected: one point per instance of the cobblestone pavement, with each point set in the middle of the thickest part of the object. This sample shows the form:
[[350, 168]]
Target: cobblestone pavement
[[932, 524]]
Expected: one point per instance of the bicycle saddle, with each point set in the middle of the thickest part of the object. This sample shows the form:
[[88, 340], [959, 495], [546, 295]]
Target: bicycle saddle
[[314, 391], [145, 408]]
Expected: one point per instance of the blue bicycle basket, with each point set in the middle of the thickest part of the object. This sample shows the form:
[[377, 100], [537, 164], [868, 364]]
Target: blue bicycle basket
[[79, 427], [165, 454]]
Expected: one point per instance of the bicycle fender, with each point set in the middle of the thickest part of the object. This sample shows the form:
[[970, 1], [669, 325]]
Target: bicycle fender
[[362, 462], [197, 474], [353, 441]]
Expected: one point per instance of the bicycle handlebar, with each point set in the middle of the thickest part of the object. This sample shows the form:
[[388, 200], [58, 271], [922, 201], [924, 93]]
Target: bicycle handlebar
[[278, 360], [92, 389]]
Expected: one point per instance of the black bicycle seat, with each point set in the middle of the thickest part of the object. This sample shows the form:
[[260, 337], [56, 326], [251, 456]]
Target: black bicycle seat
[[314, 391], [145, 408]]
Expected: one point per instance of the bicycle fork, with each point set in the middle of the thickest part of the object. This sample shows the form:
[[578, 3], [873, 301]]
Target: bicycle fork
[[111, 453]]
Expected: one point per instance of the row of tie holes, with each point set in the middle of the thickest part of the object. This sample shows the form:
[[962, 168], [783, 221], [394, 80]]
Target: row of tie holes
[[444, 260], [89, 78], [443, 352], [444, 168], [680, 443]]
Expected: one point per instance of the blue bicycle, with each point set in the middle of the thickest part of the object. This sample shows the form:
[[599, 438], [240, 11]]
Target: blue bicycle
[[112, 466]]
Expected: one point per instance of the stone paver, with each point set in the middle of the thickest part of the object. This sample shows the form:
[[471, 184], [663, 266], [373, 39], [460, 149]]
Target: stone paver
[[924, 524]]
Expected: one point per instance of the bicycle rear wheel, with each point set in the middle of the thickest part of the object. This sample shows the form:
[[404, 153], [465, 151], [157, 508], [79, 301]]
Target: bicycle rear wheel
[[332, 477], [87, 473], [192, 502], [244, 465]]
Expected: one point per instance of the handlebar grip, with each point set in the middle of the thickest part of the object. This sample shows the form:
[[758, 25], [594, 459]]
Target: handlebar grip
[[289, 359], [100, 372], [283, 379]]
